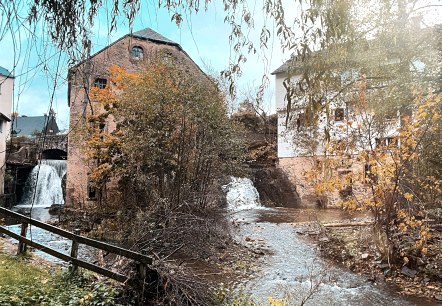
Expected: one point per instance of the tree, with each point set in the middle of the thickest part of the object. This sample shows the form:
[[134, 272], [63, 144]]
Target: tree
[[372, 173], [172, 143]]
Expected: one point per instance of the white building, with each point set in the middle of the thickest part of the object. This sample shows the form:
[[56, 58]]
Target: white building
[[301, 143], [6, 96]]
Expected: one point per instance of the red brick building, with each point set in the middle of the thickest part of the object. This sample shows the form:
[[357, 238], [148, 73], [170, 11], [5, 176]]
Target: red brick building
[[130, 52]]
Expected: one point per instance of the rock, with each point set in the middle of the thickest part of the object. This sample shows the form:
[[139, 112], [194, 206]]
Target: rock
[[438, 297], [248, 239], [383, 266], [324, 239], [364, 256], [408, 272], [55, 209], [420, 262], [387, 272]]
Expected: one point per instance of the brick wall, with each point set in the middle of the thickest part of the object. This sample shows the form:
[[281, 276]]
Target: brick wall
[[82, 77]]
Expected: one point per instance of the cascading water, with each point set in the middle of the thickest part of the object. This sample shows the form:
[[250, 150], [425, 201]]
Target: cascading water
[[43, 188], [241, 194]]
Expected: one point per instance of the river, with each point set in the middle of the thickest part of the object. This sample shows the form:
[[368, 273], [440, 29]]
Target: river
[[293, 264]]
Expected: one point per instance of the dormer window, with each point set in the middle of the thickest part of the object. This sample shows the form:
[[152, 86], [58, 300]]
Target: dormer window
[[100, 83], [137, 53]]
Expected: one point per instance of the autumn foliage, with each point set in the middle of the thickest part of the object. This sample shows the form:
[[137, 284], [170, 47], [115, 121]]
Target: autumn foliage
[[382, 175], [160, 140]]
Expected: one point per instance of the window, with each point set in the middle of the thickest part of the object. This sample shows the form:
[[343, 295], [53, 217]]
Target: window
[[100, 83], [392, 141], [300, 121], [304, 120], [339, 114], [369, 177], [137, 53], [91, 191], [387, 142], [378, 142]]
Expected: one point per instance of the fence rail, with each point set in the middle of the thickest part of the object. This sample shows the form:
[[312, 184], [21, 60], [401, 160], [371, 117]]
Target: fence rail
[[141, 259]]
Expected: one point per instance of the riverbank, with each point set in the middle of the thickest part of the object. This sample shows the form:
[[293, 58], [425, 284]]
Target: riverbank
[[30, 280], [355, 248]]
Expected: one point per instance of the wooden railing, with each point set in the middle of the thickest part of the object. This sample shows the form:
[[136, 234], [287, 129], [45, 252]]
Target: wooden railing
[[142, 260]]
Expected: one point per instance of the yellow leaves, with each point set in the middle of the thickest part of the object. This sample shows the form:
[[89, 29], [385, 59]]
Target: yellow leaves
[[408, 196], [403, 227], [275, 302], [406, 260]]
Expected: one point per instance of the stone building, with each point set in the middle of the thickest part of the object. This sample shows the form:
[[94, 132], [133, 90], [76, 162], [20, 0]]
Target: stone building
[[130, 52], [6, 96]]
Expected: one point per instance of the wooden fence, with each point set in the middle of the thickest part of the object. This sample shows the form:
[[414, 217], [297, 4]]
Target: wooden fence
[[142, 260]]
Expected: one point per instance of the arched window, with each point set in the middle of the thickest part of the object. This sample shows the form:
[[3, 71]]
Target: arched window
[[137, 53]]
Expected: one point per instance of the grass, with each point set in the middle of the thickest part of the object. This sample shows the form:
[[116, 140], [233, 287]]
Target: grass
[[22, 283]]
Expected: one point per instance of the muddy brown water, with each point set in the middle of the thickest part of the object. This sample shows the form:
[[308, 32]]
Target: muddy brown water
[[293, 263]]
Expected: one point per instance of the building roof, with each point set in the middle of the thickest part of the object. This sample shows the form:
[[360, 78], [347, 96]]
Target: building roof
[[295, 65], [147, 34], [4, 117], [150, 34], [5, 72], [291, 65], [28, 126]]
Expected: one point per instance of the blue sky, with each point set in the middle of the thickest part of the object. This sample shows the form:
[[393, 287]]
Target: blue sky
[[203, 36]]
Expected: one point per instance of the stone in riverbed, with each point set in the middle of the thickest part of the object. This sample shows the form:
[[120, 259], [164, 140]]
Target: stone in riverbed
[[55, 209], [408, 272]]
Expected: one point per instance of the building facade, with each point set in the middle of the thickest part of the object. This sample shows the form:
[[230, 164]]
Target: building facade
[[131, 52], [6, 97], [302, 145]]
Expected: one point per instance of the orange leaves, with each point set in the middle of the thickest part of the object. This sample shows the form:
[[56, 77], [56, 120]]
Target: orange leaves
[[163, 127]]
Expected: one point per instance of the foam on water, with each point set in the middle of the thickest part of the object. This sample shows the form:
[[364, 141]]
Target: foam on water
[[241, 194], [43, 186]]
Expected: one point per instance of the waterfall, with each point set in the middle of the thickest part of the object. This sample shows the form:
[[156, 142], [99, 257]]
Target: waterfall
[[45, 182], [241, 194]]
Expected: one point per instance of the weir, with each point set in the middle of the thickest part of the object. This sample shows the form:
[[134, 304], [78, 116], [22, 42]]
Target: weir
[[241, 194], [43, 188]]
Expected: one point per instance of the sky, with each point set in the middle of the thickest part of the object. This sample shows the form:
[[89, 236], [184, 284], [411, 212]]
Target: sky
[[204, 36]]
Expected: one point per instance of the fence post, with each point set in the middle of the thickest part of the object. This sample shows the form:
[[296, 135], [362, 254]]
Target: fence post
[[74, 251], [21, 245], [142, 271]]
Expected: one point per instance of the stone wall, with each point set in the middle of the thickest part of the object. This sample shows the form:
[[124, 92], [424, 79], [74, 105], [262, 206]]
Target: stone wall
[[296, 167], [80, 79]]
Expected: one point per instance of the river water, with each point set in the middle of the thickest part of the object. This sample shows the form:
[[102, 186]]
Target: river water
[[43, 188], [293, 264]]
